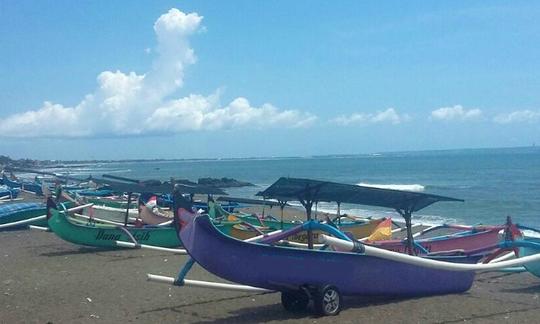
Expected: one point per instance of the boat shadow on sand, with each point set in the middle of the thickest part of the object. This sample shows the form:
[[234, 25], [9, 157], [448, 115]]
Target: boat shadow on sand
[[80, 250], [275, 312], [523, 290]]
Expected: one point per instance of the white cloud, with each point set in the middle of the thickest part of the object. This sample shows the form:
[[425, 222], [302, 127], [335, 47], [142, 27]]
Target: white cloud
[[389, 115], [519, 116], [132, 104], [456, 112]]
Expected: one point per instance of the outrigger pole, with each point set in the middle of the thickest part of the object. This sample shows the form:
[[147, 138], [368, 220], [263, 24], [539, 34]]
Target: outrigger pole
[[126, 219]]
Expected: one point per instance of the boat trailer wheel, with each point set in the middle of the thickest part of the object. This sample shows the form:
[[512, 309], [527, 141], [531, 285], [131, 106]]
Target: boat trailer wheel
[[296, 301], [327, 301]]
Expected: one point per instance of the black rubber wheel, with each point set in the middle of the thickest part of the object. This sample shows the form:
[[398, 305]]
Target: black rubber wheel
[[294, 301], [327, 301]]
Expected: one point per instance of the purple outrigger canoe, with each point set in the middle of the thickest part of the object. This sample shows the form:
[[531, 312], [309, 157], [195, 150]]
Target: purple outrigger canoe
[[284, 268], [322, 276]]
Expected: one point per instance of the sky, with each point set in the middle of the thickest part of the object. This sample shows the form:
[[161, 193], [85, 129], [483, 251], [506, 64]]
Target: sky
[[207, 79]]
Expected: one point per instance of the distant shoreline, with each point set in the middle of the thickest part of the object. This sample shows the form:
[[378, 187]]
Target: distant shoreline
[[50, 164]]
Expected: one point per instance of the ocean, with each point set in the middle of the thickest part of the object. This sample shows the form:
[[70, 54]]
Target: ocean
[[494, 183]]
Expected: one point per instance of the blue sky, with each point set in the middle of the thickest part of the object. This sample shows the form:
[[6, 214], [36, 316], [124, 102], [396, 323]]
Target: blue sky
[[184, 79]]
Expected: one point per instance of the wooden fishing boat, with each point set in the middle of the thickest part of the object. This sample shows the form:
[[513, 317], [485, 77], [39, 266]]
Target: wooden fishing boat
[[7, 193], [313, 272], [258, 265], [16, 212], [469, 238], [325, 275], [29, 186], [103, 235], [244, 226]]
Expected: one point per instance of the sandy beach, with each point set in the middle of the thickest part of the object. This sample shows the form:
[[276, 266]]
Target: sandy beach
[[47, 280]]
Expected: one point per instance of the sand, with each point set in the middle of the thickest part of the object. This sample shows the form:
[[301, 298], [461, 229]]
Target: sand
[[47, 280]]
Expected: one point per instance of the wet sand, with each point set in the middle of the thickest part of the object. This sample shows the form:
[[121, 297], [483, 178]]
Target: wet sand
[[47, 280]]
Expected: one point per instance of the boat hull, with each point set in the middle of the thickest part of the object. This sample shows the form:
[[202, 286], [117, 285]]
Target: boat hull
[[281, 268], [20, 211], [467, 242], [533, 268], [92, 234]]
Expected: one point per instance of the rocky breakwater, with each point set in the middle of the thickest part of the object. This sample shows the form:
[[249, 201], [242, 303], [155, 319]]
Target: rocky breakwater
[[223, 183]]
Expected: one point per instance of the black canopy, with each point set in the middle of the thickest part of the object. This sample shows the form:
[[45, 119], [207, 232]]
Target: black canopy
[[287, 189]]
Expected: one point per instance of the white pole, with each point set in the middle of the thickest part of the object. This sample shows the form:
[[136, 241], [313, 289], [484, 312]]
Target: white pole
[[150, 247], [507, 256], [78, 207], [301, 245], [419, 261], [39, 228], [104, 221], [207, 284], [424, 231], [24, 221], [9, 200], [256, 238]]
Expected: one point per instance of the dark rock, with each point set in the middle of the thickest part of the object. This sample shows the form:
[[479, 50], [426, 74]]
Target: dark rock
[[185, 182], [223, 183]]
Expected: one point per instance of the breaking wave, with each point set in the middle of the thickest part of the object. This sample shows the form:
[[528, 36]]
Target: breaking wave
[[404, 187]]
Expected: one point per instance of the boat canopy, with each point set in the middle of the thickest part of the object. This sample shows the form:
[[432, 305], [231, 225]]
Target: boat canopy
[[308, 191], [304, 190]]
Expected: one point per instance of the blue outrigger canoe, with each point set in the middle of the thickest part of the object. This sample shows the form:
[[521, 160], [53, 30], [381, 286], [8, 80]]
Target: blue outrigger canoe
[[14, 212]]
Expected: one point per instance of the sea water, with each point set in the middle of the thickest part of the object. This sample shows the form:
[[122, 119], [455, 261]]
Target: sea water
[[494, 183]]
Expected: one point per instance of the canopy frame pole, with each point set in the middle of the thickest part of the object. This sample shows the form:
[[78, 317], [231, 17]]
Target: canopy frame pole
[[407, 215], [281, 207], [126, 218], [308, 204], [339, 212]]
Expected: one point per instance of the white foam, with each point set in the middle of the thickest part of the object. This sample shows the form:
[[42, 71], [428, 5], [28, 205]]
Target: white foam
[[404, 187]]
